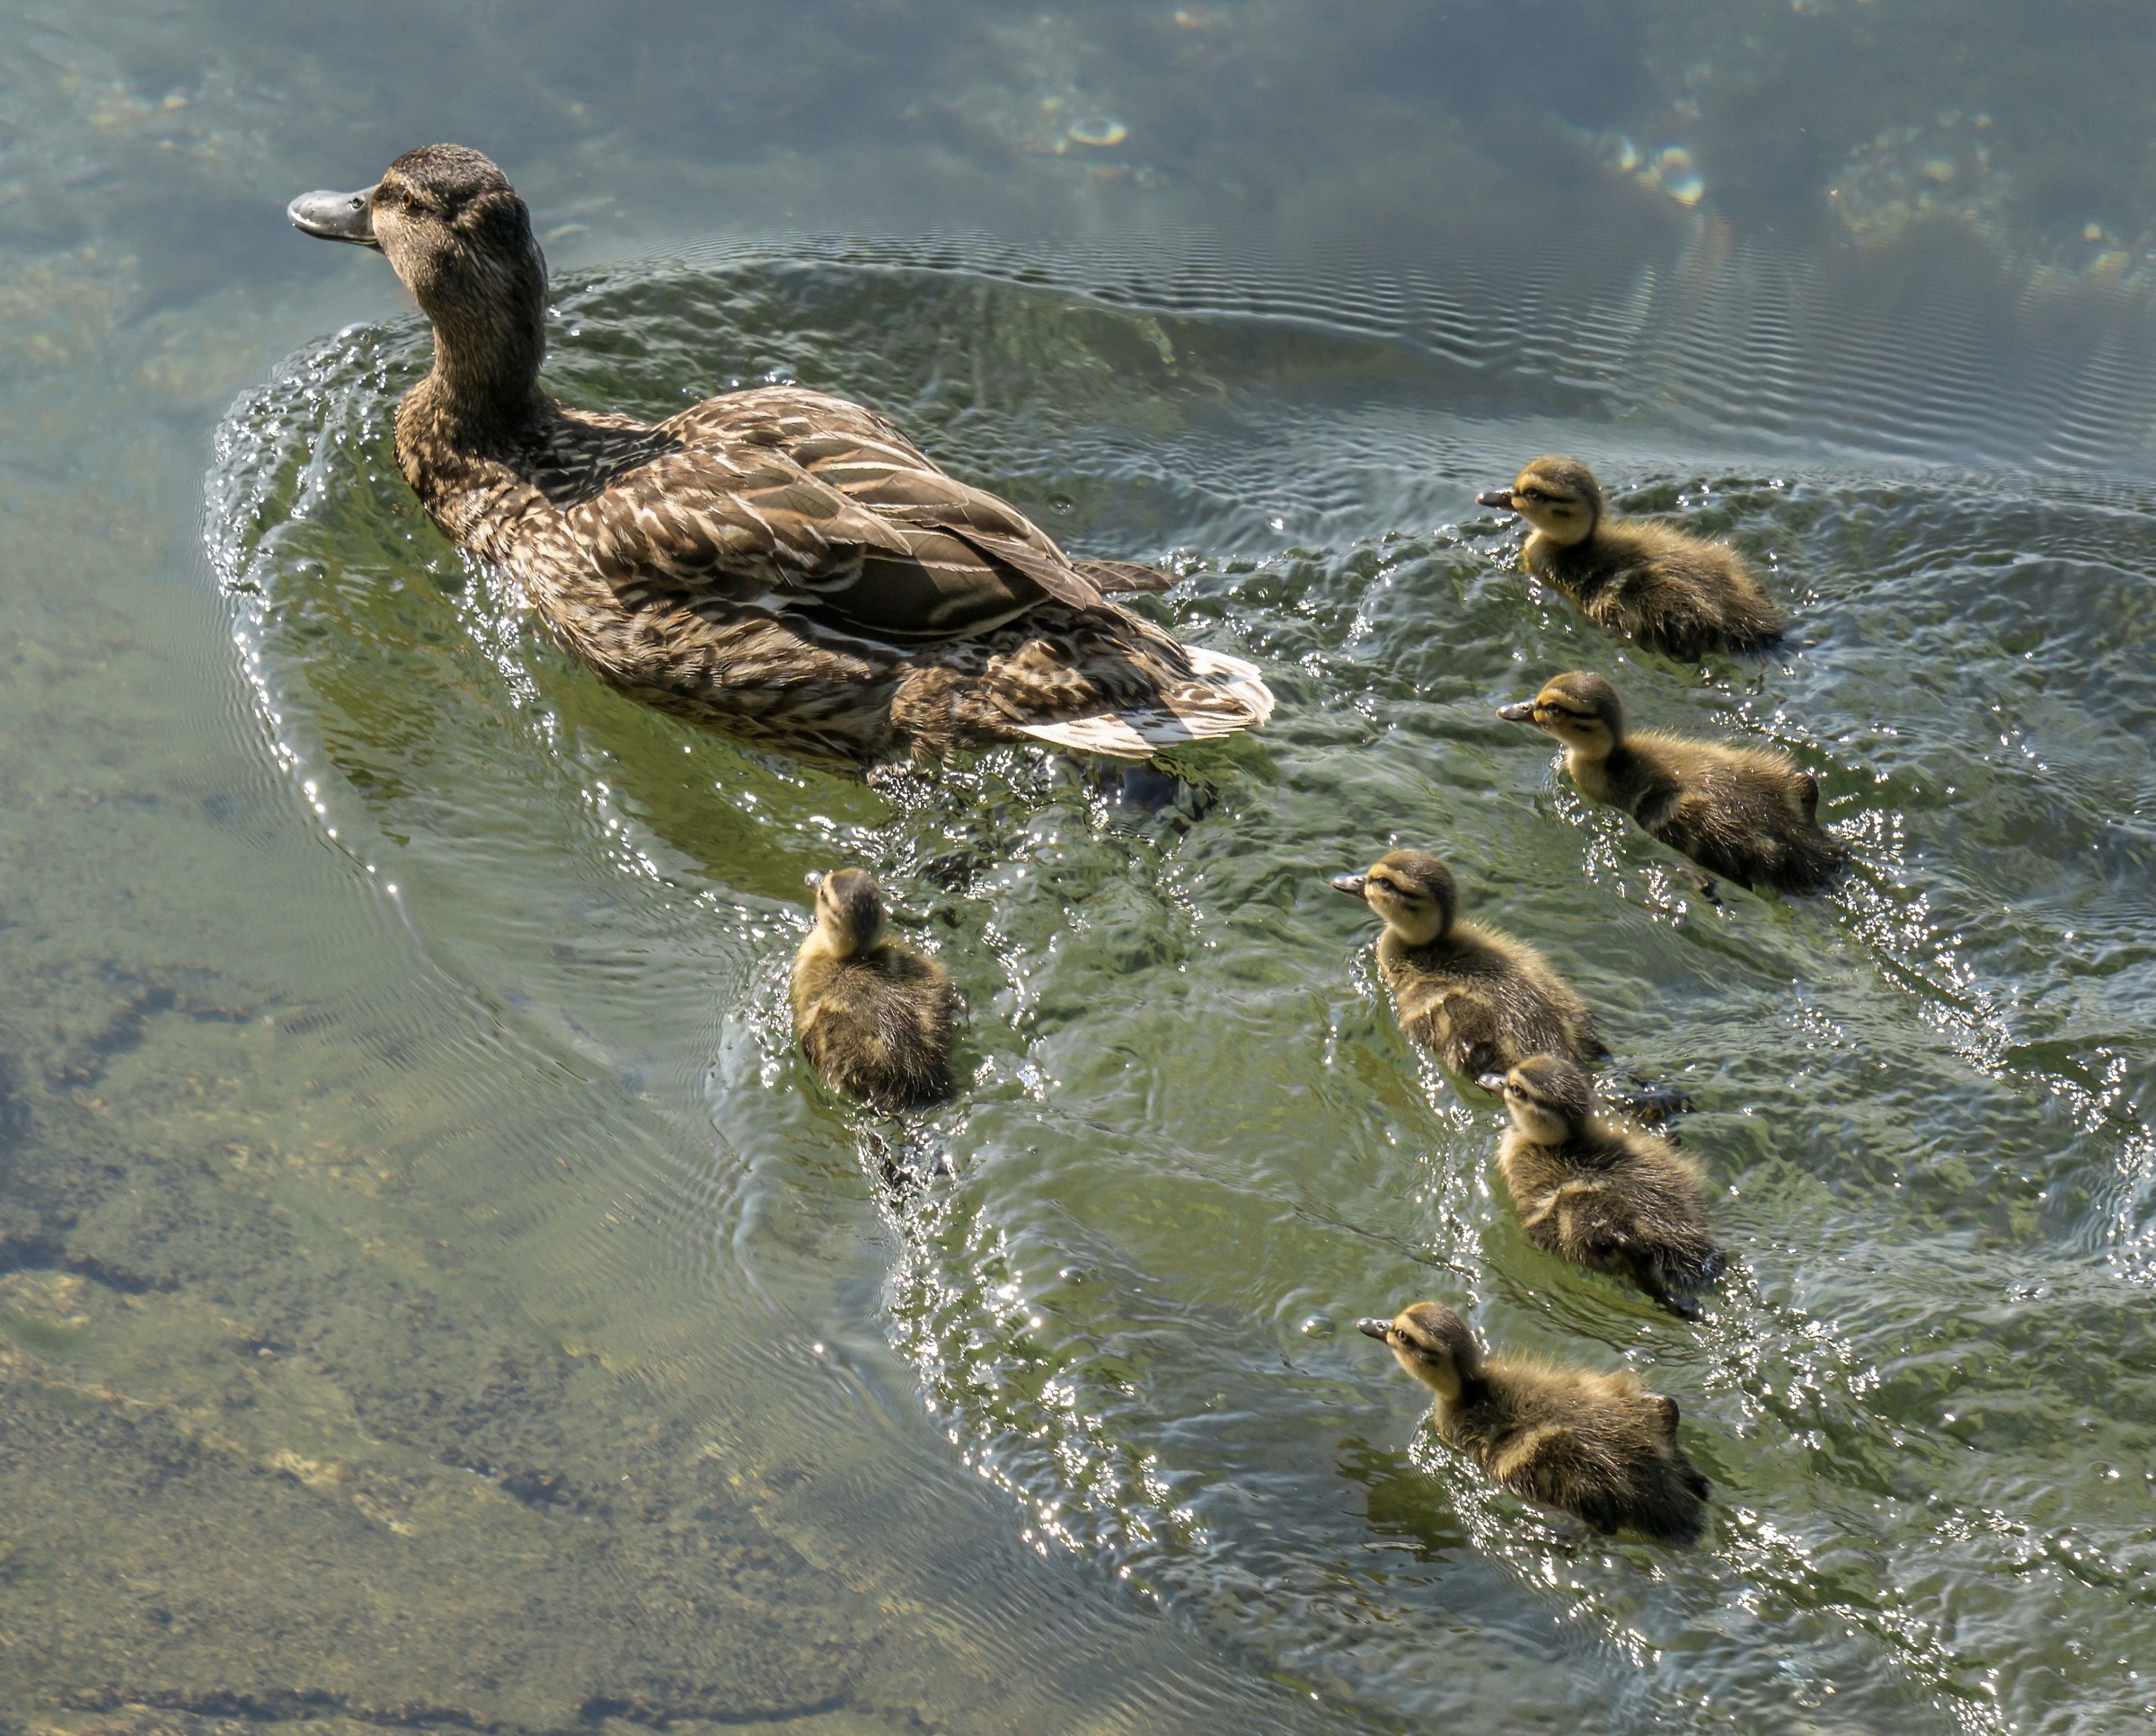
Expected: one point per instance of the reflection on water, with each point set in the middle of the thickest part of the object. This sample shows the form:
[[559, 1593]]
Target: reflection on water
[[431, 1291]]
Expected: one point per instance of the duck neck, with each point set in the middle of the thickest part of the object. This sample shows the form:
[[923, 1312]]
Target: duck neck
[[822, 943], [1444, 1379], [1412, 936], [1597, 772], [1571, 542], [490, 338]]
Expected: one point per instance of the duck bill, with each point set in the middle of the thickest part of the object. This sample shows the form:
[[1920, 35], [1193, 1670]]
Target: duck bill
[[1350, 883], [1373, 1328], [1501, 498], [813, 878], [337, 216], [1518, 711], [1494, 1083]]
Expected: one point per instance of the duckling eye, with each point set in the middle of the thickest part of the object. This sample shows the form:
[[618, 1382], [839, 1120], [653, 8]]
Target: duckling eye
[[1534, 494]]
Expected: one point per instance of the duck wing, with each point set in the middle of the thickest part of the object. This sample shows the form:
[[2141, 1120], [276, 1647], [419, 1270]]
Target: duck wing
[[1564, 1467], [752, 527], [866, 457], [816, 501], [1123, 577]]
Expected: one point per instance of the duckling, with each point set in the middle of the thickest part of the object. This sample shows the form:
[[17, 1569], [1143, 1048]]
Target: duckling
[[1600, 1447], [1748, 814], [873, 1016], [1478, 998], [1649, 583], [777, 563], [1599, 1194]]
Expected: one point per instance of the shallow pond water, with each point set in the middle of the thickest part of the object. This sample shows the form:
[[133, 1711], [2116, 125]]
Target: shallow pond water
[[431, 1284]]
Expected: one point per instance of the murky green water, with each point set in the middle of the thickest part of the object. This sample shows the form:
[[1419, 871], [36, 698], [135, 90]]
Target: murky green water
[[433, 1295]]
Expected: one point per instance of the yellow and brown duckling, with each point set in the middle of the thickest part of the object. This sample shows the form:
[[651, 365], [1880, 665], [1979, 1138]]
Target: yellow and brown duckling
[[1601, 1195], [1480, 998], [1649, 583], [873, 1016], [781, 564], [1748, 814], [1598, 1445]]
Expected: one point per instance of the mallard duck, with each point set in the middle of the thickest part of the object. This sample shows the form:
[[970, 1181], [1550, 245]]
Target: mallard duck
[[1747, 814], [1649, 583], [872, 1015], [782, 564], [1598, 1445], [1600, 1194], [1478, 998]]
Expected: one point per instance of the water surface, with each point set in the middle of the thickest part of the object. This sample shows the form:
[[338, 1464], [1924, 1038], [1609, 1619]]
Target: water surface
[[407, 1177]]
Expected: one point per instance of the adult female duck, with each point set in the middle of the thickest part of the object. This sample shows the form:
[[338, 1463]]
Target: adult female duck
[[781, 564]]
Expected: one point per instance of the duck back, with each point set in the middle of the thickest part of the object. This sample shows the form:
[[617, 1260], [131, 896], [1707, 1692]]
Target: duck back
[[1662, 589], [1615, 1201], [790, 567], [1483, 1001], [1597, 1446], [876, 1027], [1748, 815]]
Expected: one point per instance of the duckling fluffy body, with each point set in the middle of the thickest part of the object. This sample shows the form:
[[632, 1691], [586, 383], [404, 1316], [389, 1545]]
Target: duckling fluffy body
[[1598, 1445], [1649, 583], [784, 565], [873, 1016], [1601, 1195], [1745, 812], [1480, 998]]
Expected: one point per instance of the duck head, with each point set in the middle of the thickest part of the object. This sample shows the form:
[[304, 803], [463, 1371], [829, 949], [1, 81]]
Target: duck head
[[1433, 1344], [454, 230], [1581, 710], [1548, 1098], [1559, 497], [849, 911], [1413, 891]]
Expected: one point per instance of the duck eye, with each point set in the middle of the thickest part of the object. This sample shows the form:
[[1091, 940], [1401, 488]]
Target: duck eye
[[1534, 494]]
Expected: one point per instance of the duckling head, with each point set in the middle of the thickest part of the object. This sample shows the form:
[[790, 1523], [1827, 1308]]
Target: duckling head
[[1559, 497], [1549, 1097], [457, 234], [1432, 1343], [1413, 891], [1581, 710], [849, 911]]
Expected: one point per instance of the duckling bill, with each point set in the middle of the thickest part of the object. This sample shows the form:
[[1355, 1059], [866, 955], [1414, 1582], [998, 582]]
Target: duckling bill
[[1480, 998], [1599, 1194], [779, 563], [1598, 1445], [873, 1016], [1747, 814], [1655, 585]]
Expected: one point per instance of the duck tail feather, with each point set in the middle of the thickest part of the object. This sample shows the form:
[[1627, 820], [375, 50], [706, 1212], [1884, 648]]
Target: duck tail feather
[[1241, 679], [1654, 1102], [1103, 732], [1221, 696]]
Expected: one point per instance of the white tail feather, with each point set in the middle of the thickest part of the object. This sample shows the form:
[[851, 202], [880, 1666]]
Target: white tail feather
[[1138, 732], [1240, 678]]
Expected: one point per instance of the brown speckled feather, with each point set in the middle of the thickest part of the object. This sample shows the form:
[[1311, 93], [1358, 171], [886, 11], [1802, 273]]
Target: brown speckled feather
[[902, 614]]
